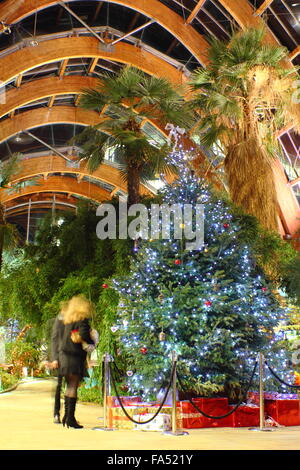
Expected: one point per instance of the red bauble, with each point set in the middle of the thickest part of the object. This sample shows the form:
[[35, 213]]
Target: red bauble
[[143, 350], [177, 261], [208, 303], [264, 289], [105, 286], [226, 225]]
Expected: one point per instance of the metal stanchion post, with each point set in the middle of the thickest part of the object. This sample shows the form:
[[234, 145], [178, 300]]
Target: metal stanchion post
[[261, 397], [174, 431], [106, 393]]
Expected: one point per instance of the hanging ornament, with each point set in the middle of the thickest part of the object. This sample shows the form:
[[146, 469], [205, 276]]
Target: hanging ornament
[[144, 350], [105, 286], [162, 336], [208, 303], [114, 328], [129, 373], [264, 289], [160, 297], [226, 225], [177, 261], [124, 388], [119, 352]]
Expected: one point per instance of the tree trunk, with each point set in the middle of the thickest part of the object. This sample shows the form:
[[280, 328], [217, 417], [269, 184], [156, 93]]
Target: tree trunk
[[251, 182], [133, 183]]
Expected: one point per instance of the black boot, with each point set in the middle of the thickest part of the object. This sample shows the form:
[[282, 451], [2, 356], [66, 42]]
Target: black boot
[[64, 420], [71, 421], [57, 401]]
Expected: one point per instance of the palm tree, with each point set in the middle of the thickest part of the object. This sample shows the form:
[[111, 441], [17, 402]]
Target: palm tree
[[129, 98], [243, 98]]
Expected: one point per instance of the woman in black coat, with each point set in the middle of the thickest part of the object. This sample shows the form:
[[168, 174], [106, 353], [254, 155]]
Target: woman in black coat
[[57, 334], [71, 357]]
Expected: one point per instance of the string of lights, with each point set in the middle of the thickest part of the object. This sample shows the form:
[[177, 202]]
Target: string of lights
[[213, 306]]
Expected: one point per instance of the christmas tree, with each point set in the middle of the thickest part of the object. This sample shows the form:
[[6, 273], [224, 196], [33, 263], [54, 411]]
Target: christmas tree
[[212, 305]]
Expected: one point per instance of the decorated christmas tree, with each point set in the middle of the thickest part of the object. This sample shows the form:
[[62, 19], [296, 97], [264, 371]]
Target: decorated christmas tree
[[212, 305]]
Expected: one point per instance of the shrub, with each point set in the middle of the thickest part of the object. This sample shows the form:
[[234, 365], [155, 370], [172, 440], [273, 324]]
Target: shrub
[[8, 380]]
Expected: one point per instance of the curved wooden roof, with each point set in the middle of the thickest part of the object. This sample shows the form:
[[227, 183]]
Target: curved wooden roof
[[50, 50]]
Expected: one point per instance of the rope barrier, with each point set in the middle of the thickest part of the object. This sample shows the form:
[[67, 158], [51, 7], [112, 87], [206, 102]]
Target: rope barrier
[[159, 409], [121, 374], [244, 396], [231, 411], [281, 380]]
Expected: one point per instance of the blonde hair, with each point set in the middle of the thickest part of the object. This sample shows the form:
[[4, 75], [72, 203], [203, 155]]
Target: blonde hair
[[76, 309]]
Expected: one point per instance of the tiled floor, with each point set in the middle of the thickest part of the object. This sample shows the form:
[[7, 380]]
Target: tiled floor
[[26, 424]]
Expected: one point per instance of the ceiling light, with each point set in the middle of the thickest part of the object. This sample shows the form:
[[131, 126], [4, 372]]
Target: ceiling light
[[33, 43]]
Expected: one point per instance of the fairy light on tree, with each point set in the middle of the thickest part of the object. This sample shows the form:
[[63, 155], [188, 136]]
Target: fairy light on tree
[[215, 308]]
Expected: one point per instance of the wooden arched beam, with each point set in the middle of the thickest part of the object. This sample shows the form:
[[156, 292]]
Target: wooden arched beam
[[50, 87], [20, 61], [14, 207], [45, 116], [57, 115], [13, 11], [46, 198], [58, 184], [288, 206], [42, 88], [31, 167]]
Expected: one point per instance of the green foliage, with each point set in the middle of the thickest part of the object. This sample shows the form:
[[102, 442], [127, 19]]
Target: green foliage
[[23, 354], [131, 97], [66, 259], [276, 257], [89, 395], [8, 168], [292, 278], [107, 309], [8, 380]]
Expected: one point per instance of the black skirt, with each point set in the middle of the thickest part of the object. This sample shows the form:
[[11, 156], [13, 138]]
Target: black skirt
[[74, 365], [71, 356]]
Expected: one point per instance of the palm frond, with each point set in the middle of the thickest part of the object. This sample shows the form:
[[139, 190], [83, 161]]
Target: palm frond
[[92, 99], [19, 186], [94, 145], [8, 168], [243, 97]]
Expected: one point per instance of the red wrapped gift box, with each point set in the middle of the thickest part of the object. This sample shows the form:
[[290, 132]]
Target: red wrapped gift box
[[126, 401], [191, 418], [245, 416], [284, 412]]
